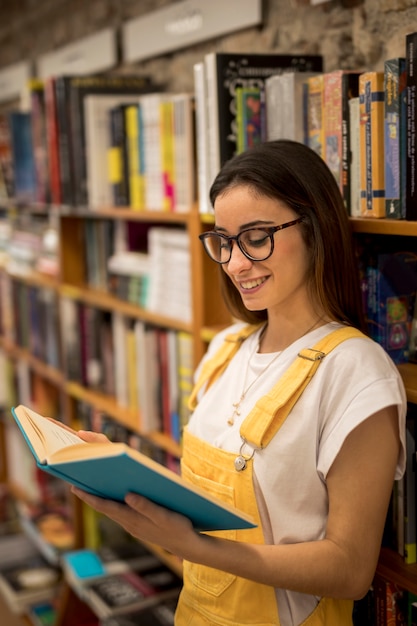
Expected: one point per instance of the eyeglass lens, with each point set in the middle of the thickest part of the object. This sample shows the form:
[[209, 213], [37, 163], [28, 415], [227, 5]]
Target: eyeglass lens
[[256, 243]]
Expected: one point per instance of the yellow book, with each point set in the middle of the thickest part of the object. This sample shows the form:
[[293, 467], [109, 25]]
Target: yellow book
[[314, 103], [371, 134], [114, 165], [136, 178], [132, 379], [166, 109]]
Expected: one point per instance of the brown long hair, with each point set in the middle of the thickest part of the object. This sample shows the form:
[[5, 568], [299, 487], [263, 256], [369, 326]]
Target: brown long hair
[[293, 173]]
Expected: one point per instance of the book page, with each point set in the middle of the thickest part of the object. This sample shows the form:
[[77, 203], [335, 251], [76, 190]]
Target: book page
[[46, 435]]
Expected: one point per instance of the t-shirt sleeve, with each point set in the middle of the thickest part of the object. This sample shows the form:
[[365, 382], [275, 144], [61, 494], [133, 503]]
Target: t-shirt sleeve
[[359, 400]]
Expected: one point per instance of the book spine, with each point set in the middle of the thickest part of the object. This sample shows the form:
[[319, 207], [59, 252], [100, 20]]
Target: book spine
[[394, 123], [117, 162], [62, 99], [411, 82], [184, 152], [339, 87], [248, 117], [355, 162], [372, 144], [314, 114], [410, 520], [332, 107], [166, 112], [132, 138], [203, 174], [38, 125], [52, 141]]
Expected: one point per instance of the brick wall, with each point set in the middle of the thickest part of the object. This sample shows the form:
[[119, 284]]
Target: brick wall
[[357, 34]]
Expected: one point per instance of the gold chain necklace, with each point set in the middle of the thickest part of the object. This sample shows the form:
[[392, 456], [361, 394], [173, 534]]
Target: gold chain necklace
[[237, 405]]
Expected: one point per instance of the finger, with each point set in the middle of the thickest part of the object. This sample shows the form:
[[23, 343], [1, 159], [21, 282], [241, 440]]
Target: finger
[[93, 437]]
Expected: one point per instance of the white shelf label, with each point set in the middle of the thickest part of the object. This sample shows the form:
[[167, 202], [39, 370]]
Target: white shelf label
[[90, 55], [186, 23], [14, 80]]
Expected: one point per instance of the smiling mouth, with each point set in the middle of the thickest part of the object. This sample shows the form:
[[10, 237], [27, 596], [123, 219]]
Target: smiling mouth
[[251, 284]]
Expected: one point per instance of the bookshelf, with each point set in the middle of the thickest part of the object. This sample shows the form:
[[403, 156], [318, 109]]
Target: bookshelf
[[208, 316]]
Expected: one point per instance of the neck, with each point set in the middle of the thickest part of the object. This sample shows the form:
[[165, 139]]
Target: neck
[[277, 337]]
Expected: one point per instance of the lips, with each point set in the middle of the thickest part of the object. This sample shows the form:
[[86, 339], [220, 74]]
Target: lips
[[251, 284]]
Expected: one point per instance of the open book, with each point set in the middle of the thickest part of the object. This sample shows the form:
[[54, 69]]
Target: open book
[[111, 470]]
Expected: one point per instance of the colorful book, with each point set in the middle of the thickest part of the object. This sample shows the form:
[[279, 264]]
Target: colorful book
[[39, 139], [118, 155], [75, 89], [111, 470], [52, 141], [226, 71], [314, 113], [355, 158], [411, 162], [134, 160], [184, 151], [410, 517], [22, 155], [338, 87], [97, 141], [168, 173], [392, 280], [6, 158], [395, 137], [371, 104], [201, 130], [248, 117], [285, 106]]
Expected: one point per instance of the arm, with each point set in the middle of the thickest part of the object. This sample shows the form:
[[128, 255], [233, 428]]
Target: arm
[[341, 565]]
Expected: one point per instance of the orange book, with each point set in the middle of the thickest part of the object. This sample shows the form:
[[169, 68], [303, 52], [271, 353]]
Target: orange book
[[371, 111]]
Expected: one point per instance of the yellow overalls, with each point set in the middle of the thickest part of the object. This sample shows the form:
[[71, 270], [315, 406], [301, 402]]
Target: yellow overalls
[[212, 597]]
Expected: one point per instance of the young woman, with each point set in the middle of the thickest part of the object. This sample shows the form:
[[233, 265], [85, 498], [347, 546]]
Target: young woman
[[298, 419]]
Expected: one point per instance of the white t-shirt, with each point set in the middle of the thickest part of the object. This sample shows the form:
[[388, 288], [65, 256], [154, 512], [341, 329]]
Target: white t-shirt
[[354, 381]]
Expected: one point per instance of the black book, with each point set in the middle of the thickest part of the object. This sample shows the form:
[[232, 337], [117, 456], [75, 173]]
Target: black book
[[131, 590], [119, 167], [162, 614], [411, 164], [225, 72]]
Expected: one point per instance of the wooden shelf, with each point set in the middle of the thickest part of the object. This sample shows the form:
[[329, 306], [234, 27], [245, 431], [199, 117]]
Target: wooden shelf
[[126, 417], [383, 226], [408, 373], [46, 371], [122, 213], [391, 566], [103, 300]]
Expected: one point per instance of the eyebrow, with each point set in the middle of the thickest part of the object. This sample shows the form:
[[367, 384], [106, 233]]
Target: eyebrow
[[255, 224]]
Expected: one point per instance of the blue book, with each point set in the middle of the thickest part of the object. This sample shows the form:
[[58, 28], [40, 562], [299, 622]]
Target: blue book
[[395, 137], [23, 159], [111, 470]]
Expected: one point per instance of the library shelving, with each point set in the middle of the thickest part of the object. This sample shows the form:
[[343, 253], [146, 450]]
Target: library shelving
[[72, 284], [208, 316]]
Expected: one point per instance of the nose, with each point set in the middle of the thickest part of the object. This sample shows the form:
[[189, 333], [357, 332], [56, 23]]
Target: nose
[[238, 261]]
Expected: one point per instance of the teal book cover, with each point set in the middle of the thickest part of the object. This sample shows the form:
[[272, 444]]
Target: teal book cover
[[111, 470]]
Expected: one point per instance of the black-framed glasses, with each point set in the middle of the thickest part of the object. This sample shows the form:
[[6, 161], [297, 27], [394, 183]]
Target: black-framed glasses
[[257, 244]]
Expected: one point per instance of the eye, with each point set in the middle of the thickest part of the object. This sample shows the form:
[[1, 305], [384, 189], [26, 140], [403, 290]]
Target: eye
[[255, 238]]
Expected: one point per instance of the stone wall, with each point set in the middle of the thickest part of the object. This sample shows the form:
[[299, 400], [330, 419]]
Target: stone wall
[[355, 34]]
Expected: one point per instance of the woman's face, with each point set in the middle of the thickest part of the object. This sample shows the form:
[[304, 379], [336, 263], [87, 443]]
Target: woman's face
[[279, 281]]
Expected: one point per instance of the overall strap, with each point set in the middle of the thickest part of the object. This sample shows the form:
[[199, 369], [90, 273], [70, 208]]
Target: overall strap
[[271, 411], [215, 366]]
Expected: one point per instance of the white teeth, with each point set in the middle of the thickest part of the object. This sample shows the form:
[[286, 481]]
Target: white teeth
[[250, 284]]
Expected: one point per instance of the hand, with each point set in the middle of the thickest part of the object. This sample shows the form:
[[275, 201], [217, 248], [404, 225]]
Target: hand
[[146, 521], [92, 437]]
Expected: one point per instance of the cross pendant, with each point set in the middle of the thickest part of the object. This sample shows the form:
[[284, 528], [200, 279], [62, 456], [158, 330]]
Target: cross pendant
[[235, 413]]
